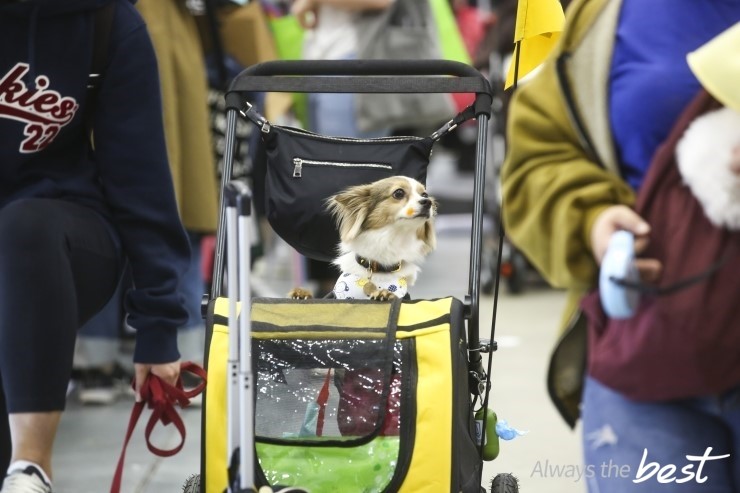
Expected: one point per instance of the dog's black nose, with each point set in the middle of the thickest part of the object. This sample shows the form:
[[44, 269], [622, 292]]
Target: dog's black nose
[[425, 202]]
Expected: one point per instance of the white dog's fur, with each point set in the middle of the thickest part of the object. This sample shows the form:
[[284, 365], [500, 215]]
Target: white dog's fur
[[704, 155], [388, 221]]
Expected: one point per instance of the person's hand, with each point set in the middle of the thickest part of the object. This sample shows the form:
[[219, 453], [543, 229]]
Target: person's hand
[[620, 217], [168, 372], [305, 11]]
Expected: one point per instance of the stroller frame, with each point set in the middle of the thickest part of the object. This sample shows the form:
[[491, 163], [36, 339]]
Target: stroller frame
[[357, 76]]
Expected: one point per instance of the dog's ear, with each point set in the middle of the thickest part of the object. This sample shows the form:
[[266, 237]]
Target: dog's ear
[[426, 233], [350, 209]]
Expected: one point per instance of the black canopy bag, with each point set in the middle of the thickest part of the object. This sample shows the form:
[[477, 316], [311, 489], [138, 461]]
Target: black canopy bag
[[304, 169]]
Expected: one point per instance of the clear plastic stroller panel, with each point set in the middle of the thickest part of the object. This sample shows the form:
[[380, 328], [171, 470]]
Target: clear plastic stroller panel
[[329, 411]]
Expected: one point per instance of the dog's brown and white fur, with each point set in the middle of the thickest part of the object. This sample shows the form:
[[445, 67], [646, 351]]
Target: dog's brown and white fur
[[387, 223]]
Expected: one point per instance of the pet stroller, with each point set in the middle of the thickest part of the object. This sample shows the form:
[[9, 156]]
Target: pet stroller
[[342, 395]]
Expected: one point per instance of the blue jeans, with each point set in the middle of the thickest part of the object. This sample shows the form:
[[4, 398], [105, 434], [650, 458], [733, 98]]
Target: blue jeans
[[334, 114], [193, 285], [191, 336], [633, 446]]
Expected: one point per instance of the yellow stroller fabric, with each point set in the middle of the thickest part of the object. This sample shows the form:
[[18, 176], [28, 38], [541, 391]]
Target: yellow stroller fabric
[[393, 411]]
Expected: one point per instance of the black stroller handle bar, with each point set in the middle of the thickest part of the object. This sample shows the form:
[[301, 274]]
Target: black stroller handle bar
[[362, 76], [363, 67]]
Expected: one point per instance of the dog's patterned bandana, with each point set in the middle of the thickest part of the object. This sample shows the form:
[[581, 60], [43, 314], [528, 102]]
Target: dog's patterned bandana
[[350, 287]]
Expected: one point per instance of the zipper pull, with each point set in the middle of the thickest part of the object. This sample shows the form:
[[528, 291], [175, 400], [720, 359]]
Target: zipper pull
[[298, 167]]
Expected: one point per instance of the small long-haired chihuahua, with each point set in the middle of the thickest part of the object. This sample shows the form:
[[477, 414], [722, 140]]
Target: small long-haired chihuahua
[[386, 230]]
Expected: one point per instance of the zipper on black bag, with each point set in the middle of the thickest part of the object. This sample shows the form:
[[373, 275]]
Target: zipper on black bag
[[298, 164]]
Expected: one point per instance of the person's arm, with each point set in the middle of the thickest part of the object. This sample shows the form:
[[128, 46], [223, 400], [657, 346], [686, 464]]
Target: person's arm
[[134, 172], [552, 192], [305, 10]]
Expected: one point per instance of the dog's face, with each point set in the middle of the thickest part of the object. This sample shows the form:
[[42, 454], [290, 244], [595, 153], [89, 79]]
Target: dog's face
[[397, 204]]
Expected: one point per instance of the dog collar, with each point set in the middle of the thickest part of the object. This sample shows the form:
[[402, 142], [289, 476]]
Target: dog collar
[[374, 266]]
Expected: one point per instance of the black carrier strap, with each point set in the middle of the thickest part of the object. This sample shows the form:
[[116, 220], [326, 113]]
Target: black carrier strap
[[102, 26]]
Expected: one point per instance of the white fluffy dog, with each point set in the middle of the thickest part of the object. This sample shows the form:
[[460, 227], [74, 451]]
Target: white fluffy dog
[[708, 157]]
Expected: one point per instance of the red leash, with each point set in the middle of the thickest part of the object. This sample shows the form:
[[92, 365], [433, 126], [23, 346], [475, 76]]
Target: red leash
[[161, 398], [321, 400]]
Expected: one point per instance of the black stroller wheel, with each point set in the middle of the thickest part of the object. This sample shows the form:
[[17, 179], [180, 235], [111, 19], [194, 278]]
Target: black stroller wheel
[[504, 483]]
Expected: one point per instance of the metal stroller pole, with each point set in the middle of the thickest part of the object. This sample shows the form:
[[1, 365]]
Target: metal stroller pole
[[230, 146], [233, 361], [476, 243], [246, 380], [240, 392]]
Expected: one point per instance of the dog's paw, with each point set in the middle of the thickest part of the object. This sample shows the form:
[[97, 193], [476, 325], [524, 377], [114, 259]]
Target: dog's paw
[[300, 294], [382, 295]]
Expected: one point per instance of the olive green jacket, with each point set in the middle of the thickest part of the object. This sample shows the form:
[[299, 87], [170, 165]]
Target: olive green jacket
[[561, 172], [182, 76]]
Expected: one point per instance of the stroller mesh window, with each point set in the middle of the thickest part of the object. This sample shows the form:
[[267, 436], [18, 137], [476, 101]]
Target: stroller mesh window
[[330, 412], [327, 390], [329, 381]]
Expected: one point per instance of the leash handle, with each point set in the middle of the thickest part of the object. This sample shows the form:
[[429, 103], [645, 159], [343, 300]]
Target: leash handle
[[161, 398]]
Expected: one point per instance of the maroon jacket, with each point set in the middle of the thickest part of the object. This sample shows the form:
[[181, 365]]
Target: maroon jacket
[[687, 343]]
